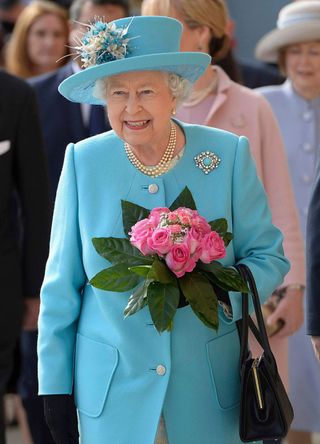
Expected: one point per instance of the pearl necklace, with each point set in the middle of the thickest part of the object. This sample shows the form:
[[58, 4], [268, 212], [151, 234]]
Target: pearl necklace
[[196, 96], [163, 165]]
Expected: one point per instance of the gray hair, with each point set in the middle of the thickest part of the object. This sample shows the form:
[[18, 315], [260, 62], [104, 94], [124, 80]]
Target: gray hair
[[179, 87]]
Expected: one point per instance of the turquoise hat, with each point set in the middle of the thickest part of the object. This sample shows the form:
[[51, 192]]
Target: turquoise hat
[[146, 43]]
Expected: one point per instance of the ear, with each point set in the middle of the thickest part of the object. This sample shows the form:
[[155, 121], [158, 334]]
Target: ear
[[204, 37]]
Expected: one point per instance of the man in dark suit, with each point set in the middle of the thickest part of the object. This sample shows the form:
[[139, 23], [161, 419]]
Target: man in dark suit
[[24, 226], [64, 121], [313, 268]]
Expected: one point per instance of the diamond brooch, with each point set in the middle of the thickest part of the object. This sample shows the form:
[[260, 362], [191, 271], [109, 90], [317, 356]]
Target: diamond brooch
[[207, 161]]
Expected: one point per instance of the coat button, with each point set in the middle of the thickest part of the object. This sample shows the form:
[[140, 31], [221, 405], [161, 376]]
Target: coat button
[[307, 116], [153, 188], [307, 147], [161, 370], [306, 178]]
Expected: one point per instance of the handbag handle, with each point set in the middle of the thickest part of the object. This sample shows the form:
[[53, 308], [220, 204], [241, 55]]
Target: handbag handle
[[247, 323]]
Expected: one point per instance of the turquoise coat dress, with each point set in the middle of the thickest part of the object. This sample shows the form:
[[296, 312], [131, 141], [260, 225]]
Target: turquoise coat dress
[[125, 373]]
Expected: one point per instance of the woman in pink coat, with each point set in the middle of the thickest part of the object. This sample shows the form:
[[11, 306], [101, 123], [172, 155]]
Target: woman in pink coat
[[219, 102]]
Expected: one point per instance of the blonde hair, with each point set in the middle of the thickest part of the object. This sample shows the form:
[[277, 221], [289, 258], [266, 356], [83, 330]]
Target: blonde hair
[[210, 13], [17, 58]]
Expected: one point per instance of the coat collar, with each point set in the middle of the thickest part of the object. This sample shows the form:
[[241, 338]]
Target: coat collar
[[224, 84]]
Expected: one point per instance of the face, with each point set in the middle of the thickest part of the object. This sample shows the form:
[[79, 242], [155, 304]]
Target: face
[[46, 43], [139, 107], [89, 12], [302, 62]]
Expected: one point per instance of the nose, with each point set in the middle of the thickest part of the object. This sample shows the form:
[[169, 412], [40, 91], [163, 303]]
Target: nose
[[133, 104]]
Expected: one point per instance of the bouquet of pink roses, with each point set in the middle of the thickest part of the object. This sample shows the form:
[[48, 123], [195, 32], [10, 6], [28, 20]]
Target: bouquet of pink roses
[[180, 237], [171, 252]]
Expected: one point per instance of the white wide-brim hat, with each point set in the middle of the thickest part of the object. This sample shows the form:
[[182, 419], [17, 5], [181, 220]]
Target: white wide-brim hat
[[130, 44], [297, 22]]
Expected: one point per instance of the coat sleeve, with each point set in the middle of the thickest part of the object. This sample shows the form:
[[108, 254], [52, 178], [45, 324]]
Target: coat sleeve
[[313, 263], [277, 183], [61, 292], [256, 241], [31, 181]]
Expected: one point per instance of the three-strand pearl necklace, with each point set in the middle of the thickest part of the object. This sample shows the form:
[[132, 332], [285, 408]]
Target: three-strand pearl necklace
[[163, 165]]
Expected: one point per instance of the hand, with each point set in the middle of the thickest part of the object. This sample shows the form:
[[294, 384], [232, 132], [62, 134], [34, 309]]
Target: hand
[[316, 345], [31, 314], [290, 310], [61, 416]]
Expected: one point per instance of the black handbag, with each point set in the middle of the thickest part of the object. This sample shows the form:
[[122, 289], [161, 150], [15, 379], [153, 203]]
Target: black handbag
[[265, 409]]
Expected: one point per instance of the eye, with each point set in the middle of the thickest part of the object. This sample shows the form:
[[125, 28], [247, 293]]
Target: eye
[[315, 51], [118, 93], [294, 50], [147, 92]]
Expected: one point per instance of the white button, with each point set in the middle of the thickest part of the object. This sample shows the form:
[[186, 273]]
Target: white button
[[161, 370], [307, 116], [153, 188], [306, 178], [307, 147]]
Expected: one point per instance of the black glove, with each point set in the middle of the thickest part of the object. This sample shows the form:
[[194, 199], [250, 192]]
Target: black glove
[[61, 416]]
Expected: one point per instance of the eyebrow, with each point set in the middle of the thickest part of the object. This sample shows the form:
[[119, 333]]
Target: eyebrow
[[121, 85]]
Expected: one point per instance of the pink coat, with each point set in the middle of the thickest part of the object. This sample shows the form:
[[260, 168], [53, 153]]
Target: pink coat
[[242, 111]]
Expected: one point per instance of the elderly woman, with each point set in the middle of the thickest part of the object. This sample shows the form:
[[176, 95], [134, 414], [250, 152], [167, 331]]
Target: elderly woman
[[131, 384], [295, 45]]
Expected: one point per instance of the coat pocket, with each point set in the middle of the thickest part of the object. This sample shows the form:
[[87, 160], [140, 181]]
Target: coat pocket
[[95, 364], [223, 357]]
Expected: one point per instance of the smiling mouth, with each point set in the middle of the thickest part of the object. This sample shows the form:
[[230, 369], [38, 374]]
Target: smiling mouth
[[137, 125]]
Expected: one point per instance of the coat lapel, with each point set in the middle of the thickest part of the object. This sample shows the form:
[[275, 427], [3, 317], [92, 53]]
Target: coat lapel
[[224, 84]]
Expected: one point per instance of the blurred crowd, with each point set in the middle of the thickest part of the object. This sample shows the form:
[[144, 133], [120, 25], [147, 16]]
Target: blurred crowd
[[281, 119]]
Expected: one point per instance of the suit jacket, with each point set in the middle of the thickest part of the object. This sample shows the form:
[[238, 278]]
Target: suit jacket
[[61, 120], [24, 234], [257, 75], [125, 373], [313, 262]]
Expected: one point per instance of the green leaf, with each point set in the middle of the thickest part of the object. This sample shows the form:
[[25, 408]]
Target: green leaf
[[161, 273], [199, 293], [227, 238], [131, 214], [163, 300], [137, 300], [116, 278], [184, 199], [227, 278], [221, 226], [117, 250], [141, 270]]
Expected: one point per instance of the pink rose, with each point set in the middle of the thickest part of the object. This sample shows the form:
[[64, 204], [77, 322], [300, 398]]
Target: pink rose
[[156, 213], [173, 217], [178, 259], [212, 247], [139, 234], [194, 239], [160, 241], [174, 229], [185, 215], [200, 224]]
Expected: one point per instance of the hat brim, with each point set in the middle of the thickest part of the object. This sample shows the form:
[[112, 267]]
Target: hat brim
[[79, 87], [268, 47]]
